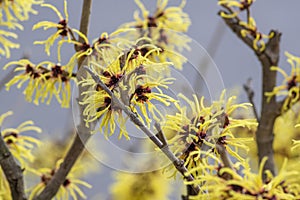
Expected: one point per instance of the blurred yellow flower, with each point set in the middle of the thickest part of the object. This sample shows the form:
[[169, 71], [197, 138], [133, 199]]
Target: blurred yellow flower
[[165, 28], [19, 144], [146, 186], [69, 188], [6, 43], [11, 12], [15, 10], [4, 187]]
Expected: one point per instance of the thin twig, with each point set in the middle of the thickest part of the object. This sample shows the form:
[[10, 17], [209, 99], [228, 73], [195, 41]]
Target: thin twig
[[179, 164], [270, 110], [12, 171], [250, 94]]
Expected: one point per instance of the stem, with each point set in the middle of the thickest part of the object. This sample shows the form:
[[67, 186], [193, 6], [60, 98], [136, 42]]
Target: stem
[[84, 24], [225, 159], [12, 171], [250, 94]]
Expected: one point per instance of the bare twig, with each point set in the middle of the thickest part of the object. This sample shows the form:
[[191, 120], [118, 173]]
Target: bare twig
[[250, 94], [269, 110], [12, 171], [179, 164]]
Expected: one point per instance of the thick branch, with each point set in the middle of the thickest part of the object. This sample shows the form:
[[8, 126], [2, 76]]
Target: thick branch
[[12, 171], [269, 110], [179, 164]]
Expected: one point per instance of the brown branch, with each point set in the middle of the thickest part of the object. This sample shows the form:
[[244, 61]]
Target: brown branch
[[179, 164], [12, 171], [84, 25], [269, 110], [225, 159]]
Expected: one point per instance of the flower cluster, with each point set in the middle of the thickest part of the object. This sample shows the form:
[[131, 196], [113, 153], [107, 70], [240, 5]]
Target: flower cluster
[[19, 144], [249, 28], [69, 188], [290, 86], [199, 128], [45, 80], [244, 184], [134, 79]]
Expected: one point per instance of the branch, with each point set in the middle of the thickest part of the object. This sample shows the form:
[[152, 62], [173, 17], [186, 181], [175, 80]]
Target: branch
[[225, 159], [84, 25], [179, 164], [250, 93], [269, 110], [12, 171]]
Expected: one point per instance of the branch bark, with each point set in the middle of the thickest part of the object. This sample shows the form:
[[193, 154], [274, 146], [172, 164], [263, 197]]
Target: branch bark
[[269, 110], [12, 171]]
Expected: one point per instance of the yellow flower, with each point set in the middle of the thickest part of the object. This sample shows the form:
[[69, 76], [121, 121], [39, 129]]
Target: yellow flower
[[62, 28], [290, 85], [250, 29], [20, 145], [45, 80], [146, 186], [234, 8], [69, 188], [143, 90], [237, 6]]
